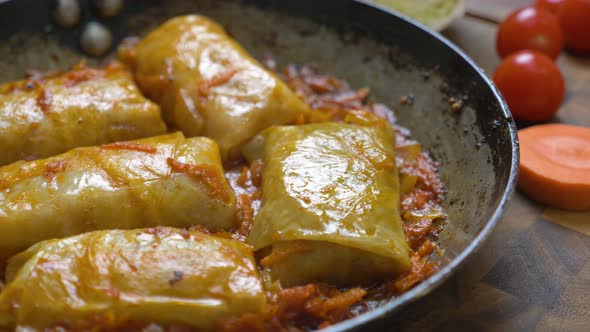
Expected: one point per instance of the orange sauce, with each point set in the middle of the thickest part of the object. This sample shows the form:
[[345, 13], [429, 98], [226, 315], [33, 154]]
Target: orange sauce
[[53, 168], [129, 146], [206, 173]]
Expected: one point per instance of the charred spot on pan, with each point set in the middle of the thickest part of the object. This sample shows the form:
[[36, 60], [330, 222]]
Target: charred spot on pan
[[456, 104], [453, 201], [176, 278], [495, 124], [407, 100]]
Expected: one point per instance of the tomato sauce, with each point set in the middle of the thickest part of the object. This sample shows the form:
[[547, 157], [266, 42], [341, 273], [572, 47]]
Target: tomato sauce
[[206, 173], [130, 146], [316, 305]]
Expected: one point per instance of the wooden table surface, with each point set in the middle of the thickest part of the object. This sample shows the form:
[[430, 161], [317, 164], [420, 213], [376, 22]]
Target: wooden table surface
[[533, 274]]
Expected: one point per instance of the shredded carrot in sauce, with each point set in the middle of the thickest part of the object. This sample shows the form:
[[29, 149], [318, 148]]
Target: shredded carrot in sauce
[[158, 231], [245, 216], [312, 305], [291, 301], [78, 76], [359, 95], [44, 100], [244, 177], [245, 323], [256, 173], [202, 229], [278, 255], [113, 292], [418, 231], [130, 146], [53, 168], [257, 195], [335, 308], [420, 270], [210, 175], [219, 79], [320, 84]]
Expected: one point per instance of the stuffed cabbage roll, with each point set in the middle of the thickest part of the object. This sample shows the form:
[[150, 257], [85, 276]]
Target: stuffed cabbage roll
[[117, 279], [47, 115], [166, 180], [208, 85], [330, 205]]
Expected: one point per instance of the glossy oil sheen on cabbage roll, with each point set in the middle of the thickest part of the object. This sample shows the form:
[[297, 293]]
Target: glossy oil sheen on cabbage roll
[[111, 279], [330, 205], [208, 85], [165, 180], [44, 116]]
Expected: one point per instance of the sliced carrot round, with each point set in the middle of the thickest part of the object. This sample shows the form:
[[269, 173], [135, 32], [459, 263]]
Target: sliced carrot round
[[555, 165]]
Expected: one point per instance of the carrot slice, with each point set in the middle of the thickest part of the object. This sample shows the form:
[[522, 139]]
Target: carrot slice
[[555, 165]]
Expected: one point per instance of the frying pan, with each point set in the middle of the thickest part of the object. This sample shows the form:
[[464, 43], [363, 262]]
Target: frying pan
[[476, 146]]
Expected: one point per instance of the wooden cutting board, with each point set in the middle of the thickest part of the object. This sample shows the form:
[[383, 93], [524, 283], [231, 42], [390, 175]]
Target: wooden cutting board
[[533, 274]]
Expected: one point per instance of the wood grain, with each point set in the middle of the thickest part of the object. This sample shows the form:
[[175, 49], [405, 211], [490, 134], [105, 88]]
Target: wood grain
[[533, 274]]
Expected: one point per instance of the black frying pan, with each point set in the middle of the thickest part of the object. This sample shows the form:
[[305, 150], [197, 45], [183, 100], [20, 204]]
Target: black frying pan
[[477, 146]]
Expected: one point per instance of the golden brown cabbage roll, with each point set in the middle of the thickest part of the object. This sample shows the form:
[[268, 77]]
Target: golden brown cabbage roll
[[330, 205], [208, 85], [117, 278], [166, 180], [45, 116]]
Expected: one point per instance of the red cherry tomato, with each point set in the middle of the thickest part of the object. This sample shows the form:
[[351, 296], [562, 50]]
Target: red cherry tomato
[[530, 28], [550, 5], [531, 84], [574, 16]]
